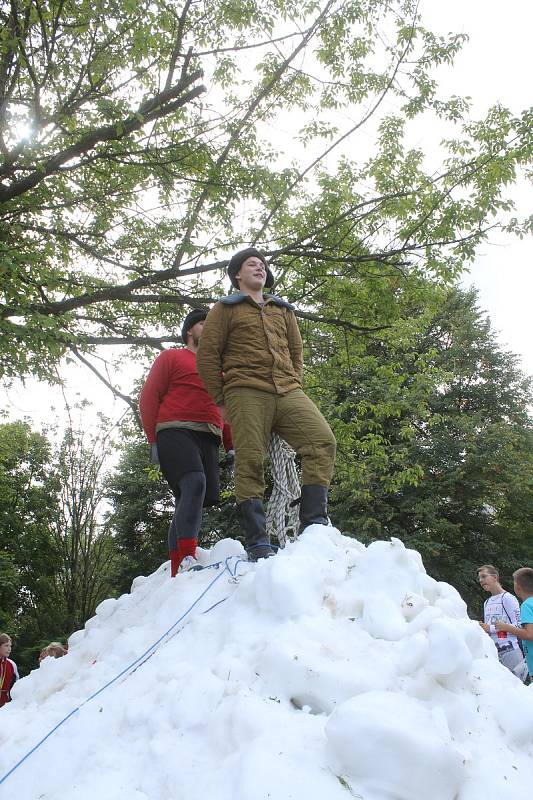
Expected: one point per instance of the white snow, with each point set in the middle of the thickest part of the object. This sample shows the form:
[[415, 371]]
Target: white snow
[[328, 672]]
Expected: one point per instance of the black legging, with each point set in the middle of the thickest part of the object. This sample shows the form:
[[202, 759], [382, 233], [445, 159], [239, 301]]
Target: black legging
[[189, 462], [187, 517]]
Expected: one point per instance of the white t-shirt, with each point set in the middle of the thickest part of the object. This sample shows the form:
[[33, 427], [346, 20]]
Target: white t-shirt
[[502, 607]]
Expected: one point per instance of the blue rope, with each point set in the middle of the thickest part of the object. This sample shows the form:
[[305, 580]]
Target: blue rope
[[144, 656]]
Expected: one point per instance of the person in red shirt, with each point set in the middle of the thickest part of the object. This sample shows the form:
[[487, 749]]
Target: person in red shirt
[[8, 669], [184, 427]]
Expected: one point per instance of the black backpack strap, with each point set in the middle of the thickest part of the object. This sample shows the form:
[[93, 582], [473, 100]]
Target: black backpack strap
[[503, 606]]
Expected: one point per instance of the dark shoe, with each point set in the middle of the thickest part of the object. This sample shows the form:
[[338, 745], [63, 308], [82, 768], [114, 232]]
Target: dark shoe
[[253, 524], [260, 551], [313, 506]]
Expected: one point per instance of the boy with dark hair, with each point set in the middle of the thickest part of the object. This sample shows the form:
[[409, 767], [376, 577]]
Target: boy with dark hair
[[523, 586], [250, 359], [501, 605], [184, 426]]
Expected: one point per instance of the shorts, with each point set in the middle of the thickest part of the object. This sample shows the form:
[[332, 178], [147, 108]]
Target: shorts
[[513, 659], [181, 451]]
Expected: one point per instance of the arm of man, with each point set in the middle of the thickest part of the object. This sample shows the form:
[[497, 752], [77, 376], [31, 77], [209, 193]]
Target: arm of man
[[210, 350], [153, 391], [227, 438], [486, 625], [526, 632], [294, 340]]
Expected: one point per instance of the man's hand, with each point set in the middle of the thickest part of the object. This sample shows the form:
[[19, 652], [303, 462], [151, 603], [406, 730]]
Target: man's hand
[[224, 413], [503, 626], [228, 462], [154, 455]]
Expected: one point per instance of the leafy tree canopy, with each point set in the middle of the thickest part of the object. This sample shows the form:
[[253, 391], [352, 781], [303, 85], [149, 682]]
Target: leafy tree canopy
[[57, 558], [435, 442], [141, 142], [28, 491]]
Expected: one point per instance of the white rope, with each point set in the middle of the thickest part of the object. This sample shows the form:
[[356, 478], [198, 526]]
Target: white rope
[[281, 515]]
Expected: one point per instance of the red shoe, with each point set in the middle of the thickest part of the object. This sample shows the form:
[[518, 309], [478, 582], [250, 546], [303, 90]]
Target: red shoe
[[186, 547]]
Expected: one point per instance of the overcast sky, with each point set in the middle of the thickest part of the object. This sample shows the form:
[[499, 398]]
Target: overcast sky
[[495, 66]]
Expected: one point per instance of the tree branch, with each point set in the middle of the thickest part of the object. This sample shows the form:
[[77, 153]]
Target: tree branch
[[299, 178], [156, 107], [126, 398], [256, 102]]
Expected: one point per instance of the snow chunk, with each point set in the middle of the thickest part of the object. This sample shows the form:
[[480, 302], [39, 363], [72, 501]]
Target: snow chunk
[[396, 747], [106, 608], [515, 715], [382, 618], [223, 549], [448, 652]]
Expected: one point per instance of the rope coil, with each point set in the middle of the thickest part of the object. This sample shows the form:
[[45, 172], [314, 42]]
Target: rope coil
[[282, 508]]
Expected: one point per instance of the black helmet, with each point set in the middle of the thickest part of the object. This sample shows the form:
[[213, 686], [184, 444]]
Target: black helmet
[[194, 316]]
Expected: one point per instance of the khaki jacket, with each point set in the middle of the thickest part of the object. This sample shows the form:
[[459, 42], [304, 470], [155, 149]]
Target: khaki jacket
[[244, 344]]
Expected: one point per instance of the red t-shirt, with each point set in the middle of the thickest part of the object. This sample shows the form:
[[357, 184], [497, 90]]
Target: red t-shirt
[[175, 392], [8, 676]]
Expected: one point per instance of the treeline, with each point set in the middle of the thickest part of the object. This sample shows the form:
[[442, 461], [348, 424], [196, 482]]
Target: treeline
[[58, 557], [435, 448]]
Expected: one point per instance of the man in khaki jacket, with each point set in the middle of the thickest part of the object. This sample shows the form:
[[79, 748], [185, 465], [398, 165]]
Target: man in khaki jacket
[[250, 360]]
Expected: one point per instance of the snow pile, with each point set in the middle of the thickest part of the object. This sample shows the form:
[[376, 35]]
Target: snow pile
[[330, 671]]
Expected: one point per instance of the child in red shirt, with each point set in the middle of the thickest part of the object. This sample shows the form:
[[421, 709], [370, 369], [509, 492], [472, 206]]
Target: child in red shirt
[[8, 669]]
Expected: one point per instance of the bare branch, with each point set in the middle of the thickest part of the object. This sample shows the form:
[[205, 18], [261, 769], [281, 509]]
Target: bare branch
[[256, 102], [126, 398], [301, 175], [177, 45]]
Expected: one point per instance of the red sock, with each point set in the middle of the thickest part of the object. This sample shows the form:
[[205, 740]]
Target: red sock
[[174, 563], [186, 547]]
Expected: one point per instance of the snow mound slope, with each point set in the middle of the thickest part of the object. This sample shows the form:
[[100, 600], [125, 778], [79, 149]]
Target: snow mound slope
[[331, 671]]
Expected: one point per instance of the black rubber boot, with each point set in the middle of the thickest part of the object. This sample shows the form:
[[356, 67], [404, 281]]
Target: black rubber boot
[[313, 506], [253, 524]]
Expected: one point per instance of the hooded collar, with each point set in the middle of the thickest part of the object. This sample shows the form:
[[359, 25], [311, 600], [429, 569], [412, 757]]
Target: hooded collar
[[240, 297]]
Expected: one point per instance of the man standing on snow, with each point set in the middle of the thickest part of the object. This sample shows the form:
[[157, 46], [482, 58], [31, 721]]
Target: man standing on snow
[[250, 359], [184, 427]]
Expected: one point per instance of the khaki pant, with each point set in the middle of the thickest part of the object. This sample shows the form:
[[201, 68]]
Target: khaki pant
[[293, 416]]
